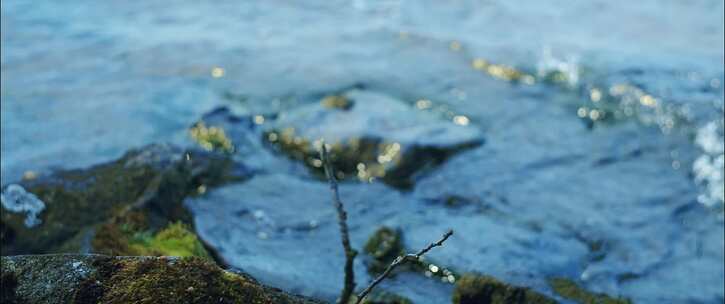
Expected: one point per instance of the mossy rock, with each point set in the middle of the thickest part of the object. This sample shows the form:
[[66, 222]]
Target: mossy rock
[[104, 279], [386, 244], [129, 238], [478, 289], [570, 290], [372, 136], [155, 179], [383, 246]]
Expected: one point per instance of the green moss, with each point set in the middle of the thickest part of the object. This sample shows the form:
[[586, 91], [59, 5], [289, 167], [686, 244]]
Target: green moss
[[164, 280], [570, 290], [174, 240], [190, 280], [131, 238], [476, 289]]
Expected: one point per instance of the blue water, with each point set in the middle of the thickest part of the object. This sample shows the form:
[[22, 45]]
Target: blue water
[[84, 81]]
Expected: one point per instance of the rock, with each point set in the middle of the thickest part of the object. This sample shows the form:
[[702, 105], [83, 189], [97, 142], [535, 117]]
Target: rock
[[236, 135], [124, 239], [104, 279], [383, 247], [372, 135], [152, 180], [386, 244], [283, 230], [570, 290], [476, 289]]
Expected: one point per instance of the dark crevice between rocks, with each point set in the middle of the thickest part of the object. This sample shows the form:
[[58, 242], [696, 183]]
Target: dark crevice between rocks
[[8, 285]]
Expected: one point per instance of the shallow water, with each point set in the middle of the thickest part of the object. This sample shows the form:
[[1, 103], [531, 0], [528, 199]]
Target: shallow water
[[623, 149]]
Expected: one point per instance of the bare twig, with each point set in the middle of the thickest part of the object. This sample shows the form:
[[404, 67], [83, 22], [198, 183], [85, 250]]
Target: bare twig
[[350, 254], [400, 260]]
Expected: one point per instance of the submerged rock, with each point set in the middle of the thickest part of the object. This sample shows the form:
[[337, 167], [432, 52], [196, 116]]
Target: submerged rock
[[372, 135], [476, 289], [383, 247], [386, 244], [152, 180], [104, 279]]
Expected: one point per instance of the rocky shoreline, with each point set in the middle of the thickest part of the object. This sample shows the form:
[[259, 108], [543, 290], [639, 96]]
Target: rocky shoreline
[[130, 224], [155, 255]]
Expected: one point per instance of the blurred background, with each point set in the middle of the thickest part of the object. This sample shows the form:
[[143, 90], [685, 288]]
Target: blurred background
[[593, 130]]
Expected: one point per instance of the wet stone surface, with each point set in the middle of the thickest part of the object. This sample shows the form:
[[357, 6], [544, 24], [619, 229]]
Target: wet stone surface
[[372, 136]]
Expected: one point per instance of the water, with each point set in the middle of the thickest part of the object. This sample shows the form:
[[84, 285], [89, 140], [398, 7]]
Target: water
[[623, 149]]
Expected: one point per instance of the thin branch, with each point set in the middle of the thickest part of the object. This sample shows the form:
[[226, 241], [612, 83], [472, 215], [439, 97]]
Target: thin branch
[[350, 254], [400, 260]]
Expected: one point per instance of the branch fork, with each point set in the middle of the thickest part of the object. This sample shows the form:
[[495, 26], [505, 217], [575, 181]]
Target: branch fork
[[349, 287]]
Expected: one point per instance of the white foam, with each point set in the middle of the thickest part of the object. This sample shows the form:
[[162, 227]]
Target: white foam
[[15, 199]]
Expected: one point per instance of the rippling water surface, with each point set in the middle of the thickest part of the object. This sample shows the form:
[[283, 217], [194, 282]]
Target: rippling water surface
[[603, 123]]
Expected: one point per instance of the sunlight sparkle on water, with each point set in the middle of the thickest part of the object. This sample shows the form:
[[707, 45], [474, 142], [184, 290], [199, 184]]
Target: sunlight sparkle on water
[[217, 72]]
